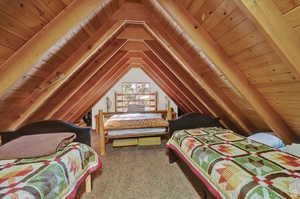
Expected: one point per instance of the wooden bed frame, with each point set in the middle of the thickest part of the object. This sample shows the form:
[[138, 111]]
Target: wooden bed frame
[[168, 114], [190, 121]]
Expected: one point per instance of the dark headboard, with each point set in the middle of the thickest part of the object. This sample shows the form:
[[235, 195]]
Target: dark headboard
[[193, 120], [49, 126]]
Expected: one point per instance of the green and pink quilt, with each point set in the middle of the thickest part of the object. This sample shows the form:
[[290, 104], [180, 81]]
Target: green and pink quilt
[[52, 177], [236, 167]]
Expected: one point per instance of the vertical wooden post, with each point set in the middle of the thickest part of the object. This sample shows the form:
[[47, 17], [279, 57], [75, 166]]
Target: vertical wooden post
[[169, 113], [156, 101], [116, 98], [88, 184], [102, 133], [97, 123]]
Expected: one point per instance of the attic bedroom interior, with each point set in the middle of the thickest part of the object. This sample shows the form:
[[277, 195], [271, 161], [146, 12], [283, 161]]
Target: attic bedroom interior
[[149, 99]]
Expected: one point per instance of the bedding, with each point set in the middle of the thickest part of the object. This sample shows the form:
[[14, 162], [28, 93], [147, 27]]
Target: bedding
[[135, 132], [268, 138], [232, 166], [31, 146], [135, 121], [50, 177], [132, 125]]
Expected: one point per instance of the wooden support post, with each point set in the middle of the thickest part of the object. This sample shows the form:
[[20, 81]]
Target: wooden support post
[[88, 184], [102, 133], [228, 67], [276, 28]]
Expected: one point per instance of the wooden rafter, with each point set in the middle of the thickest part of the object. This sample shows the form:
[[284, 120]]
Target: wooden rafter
[[165, 77], [229, 68], [64, 94], [168, 89], [89, 87], [192, 66], [31, 53], [269, 18], [153, 61], [88, 72], [213, 108], [72, 64], [132, 12], [99, 91]]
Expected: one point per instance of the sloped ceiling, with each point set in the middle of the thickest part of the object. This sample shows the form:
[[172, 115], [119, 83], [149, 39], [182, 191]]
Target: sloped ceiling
[[217, 57]]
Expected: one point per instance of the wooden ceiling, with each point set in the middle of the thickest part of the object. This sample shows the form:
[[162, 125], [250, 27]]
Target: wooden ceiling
[[234, 59]]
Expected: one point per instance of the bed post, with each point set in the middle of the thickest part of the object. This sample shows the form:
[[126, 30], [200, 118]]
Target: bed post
[[169, 114], [88, 184], [172, 156], [102, 133], [97, 123]]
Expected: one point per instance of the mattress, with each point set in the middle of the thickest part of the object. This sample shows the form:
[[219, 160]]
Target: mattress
[[135, 121], [136, 132], [136, 116], [51, 177], [232, 166]]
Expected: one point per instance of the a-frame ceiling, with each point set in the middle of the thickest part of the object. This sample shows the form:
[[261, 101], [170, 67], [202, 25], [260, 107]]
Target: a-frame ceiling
[[222, 58]]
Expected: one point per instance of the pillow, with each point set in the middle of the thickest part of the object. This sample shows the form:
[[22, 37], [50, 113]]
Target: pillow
[[32, 146], [267, 138]]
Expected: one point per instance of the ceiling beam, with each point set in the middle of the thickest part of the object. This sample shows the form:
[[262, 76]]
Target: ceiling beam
[[64, 94], [197, 69], [180, 100], [81, 108], [211, 106], [177, 87], [88, 88], [182, 87], [214, 52], [276, 28], [72, 64], [88, 71], [33, 51], [132, 12]]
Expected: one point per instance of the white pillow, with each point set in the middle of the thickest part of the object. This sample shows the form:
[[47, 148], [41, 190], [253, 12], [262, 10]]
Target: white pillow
[[267, 138]]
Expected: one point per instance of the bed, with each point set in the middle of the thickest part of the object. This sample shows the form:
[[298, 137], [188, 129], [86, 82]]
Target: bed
[[127, 125], [55, 176], [227, 165]]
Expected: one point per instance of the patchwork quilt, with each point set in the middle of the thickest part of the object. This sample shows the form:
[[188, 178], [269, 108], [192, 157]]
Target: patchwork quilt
[[51, 177], [233, 166], [135, 121]]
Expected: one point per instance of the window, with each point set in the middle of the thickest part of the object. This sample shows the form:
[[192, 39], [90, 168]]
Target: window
[[136, 93]]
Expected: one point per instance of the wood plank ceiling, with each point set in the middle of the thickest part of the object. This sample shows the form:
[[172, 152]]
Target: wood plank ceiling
[[59, 57]]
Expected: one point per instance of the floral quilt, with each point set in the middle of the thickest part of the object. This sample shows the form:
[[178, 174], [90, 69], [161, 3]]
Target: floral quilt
[[51, 177], [236, 167]]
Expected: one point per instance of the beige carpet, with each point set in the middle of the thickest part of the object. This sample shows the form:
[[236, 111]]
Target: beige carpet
[[139, 173]]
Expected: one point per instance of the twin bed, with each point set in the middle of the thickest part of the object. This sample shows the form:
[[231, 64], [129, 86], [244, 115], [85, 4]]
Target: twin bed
[[127, 125], [54, 176], [223, 164]]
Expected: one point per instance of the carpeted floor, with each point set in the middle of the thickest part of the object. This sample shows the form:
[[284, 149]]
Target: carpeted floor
[[139, 173]]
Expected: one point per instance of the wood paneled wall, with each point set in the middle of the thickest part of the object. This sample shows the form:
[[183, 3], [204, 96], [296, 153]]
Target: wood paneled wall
[[231, 27], [245, 43]]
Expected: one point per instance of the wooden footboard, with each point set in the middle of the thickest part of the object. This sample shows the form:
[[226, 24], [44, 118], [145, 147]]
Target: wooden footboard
[[168, 114]]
